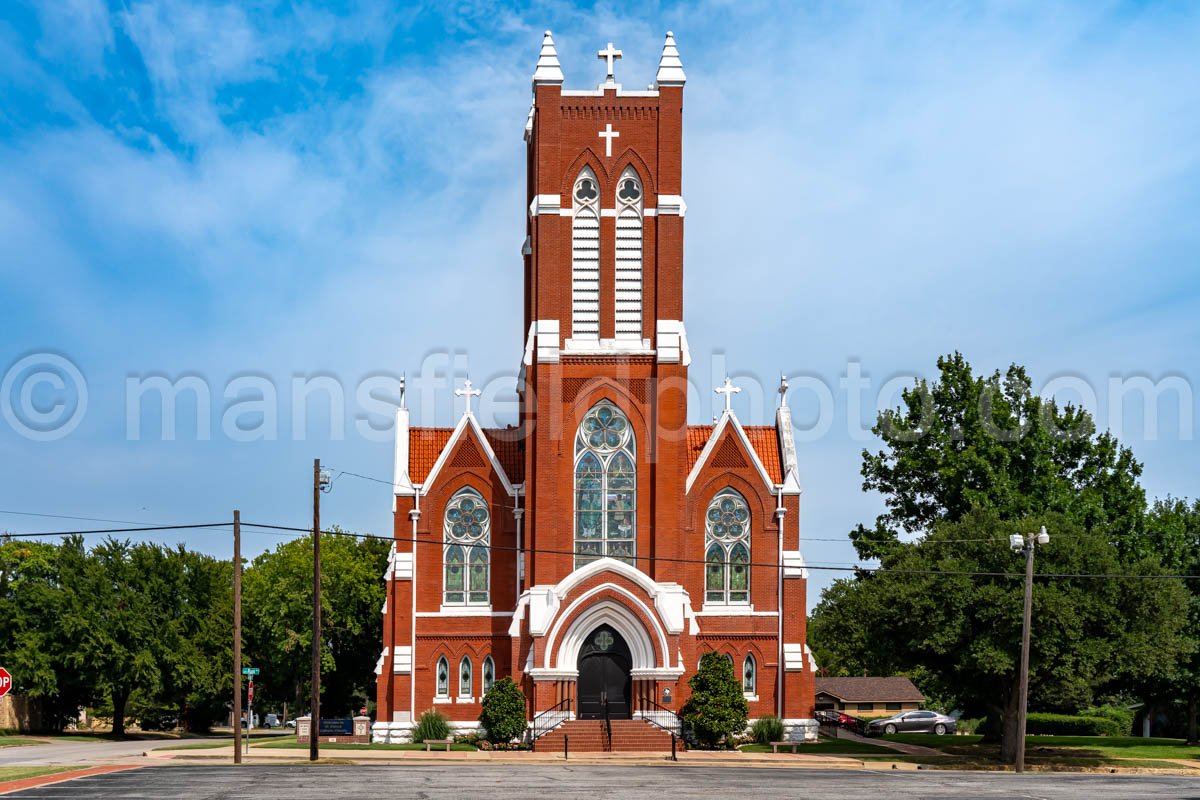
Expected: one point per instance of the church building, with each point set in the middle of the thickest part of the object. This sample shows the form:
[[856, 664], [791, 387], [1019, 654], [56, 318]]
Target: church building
[[598, 548]]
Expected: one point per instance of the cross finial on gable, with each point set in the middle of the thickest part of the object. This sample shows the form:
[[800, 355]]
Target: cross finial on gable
[[729, 390], [609, 55], [468, 391]]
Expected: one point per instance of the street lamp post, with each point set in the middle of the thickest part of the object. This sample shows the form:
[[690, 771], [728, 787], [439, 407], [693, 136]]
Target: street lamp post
[[1026, 544]]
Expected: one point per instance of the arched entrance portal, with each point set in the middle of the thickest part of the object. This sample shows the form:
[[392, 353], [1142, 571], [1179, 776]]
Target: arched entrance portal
[[604, 677]]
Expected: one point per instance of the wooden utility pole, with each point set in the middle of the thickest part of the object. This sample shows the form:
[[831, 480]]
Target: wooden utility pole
[[1023, 700], [237, 636], [314, 726]]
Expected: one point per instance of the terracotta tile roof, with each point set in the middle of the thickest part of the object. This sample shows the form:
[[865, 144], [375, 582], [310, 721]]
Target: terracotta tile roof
[[426, 444], [871, 690], [763, 439], [506, 443], [424, 447]]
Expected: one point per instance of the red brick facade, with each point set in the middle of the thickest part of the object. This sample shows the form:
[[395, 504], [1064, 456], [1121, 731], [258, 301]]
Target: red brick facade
[[540, 608]]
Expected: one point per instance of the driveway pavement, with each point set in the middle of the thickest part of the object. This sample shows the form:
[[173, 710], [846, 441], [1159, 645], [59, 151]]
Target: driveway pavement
[[93, 752], [497, 782]]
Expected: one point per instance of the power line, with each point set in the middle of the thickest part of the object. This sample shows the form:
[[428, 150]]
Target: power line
[[826, 566]]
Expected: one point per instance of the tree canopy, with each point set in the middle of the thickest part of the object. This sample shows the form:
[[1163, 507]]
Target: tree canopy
[[967, 461]]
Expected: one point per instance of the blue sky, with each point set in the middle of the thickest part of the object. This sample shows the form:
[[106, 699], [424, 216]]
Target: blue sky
[[232, 190]]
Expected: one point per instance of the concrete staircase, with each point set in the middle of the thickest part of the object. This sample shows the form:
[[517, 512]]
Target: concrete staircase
[[587, 736]]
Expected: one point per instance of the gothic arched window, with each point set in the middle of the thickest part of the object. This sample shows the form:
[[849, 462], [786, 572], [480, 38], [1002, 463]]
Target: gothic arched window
[[489, 674], [467, 536], [464, 677], [628, 285], [605, 479], [727, 549], [443, 677], [585, 256], [749, 676]]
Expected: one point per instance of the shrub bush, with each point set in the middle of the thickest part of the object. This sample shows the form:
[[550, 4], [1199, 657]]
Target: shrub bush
[[767, 729], [504, 716], [1068, 725], [717, 708], [431, 725], [1122, 716]]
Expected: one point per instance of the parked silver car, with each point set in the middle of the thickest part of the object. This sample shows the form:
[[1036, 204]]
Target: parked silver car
[[913, 722]]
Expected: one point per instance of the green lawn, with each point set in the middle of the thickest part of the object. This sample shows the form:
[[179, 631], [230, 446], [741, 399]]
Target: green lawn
[[18, 773], [13, 741], [1037, 747], [294, 745], [226, 741], [842, 747]]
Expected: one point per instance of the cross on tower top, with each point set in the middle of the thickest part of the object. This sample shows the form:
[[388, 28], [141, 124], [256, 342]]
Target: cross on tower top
[[609, 55], [468, 391], [729, 390]]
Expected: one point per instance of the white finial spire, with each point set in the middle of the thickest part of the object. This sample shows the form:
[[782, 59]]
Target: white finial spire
[[403, 386], [783, 390], [670, 68], [468, 391], [548, 69], [729, 390], [609, 55]]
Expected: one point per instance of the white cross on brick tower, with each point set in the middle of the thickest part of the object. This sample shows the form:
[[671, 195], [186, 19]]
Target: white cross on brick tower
[[729, 390], [468, 391], [609, 55], [608, 134]]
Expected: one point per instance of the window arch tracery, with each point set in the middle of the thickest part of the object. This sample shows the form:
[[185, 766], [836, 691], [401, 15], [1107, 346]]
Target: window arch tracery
[[727, 549], [605, 486], [467, 536]]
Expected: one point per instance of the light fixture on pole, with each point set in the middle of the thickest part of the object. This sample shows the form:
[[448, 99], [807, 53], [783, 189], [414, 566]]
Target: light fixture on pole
[[1025, 544]]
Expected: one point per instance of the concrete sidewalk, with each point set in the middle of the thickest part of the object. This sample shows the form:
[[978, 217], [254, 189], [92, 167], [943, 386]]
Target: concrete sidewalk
[[691, 758]]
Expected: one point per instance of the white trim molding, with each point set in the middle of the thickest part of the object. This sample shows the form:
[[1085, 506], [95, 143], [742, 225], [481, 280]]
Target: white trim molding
[[402, 663], [671, 205], [545, 204], [671, 342], [793, 564], [793, 657], [728, 418]]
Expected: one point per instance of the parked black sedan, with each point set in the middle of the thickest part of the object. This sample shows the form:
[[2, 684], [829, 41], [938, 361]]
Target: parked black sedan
[[913, 722]]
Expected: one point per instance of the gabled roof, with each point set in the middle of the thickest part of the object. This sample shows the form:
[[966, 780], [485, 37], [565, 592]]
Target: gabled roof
[[762, 438], [426, 445], [765, 449], [871, 690]]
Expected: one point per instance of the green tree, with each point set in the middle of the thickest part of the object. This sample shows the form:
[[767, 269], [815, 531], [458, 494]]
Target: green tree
[[717, 708], [277, 614], [964, 586], [503, 714], [973, 443], [1175, 525], [973, 457]]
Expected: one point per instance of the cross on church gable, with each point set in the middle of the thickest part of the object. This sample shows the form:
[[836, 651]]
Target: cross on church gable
[[609, 55]]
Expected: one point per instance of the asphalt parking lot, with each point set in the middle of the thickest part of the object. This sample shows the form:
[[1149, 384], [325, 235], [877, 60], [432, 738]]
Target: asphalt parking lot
[[304, 782]]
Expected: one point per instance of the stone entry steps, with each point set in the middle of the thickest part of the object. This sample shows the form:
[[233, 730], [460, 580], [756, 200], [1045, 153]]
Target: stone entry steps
[[587, 736]]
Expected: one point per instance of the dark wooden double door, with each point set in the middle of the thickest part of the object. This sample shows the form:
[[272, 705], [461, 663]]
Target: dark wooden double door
[[604, 678]]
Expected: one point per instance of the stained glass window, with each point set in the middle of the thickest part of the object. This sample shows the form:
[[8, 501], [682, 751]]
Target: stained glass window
[[489, 674], [605, 487], [727, 549], [464, 677], [466, 557], [443, 677], [749, 675]]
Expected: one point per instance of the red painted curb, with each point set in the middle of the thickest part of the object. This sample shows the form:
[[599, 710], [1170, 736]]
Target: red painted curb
[[59, 777]]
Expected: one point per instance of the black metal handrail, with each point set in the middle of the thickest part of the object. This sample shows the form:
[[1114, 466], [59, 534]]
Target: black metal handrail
[[661, 716], [607, 727], [550, 719]]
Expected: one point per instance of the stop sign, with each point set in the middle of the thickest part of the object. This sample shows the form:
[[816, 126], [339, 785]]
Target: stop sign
[[5, 681]]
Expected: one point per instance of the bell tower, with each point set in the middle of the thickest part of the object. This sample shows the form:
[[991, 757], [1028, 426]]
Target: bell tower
[[603, 297]]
